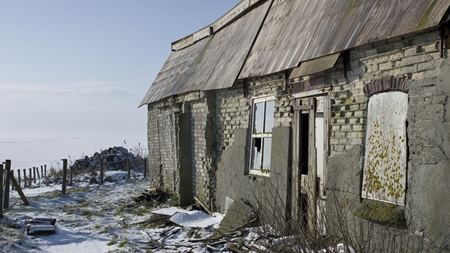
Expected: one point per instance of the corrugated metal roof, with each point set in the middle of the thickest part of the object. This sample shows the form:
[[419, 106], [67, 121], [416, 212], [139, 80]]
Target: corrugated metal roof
[[294, 31], [226, 53], [176, 67], [297, 31], [210, 65]]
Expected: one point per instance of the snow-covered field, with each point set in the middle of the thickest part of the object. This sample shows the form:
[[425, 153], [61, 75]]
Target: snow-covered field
[[93, 218]]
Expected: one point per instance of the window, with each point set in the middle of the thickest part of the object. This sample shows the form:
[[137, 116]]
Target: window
[[261, 142], [385, 156]]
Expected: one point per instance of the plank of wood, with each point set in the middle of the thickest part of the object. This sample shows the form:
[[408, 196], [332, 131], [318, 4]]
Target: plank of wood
[[18, 189]]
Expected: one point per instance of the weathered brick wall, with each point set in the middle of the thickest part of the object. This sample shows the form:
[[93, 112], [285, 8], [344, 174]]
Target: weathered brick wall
[[162, 146], [203, 146], [234, 109], [217, 117], [415, 58], [411, 58], [182, 134]]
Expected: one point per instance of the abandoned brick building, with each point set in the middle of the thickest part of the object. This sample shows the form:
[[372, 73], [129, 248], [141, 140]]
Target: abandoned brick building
[[324, 102]]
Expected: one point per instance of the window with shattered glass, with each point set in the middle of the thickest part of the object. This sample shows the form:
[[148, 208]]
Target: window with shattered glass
[[261, 142]]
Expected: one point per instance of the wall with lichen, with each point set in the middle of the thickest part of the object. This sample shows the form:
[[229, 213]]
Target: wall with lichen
[[205, 134], [367, 155], [384, 173]]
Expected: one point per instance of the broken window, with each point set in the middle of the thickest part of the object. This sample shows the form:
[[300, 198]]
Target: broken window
[[263, 122], [385, 158]]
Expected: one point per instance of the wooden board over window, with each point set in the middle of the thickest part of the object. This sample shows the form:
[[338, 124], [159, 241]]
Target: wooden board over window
[[385, 153]]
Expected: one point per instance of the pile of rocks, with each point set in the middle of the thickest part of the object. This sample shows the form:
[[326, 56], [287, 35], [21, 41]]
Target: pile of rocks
[[114, 158]]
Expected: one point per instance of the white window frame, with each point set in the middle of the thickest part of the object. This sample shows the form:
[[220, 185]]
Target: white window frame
[[264, 135]]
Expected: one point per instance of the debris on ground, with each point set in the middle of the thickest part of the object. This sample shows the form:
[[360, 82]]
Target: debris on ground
[[40, 226], [238, 215], [153, 195]]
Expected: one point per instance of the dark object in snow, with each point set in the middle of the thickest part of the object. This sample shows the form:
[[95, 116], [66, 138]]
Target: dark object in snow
[[93, 180], [109, 179], [152, 194], [40, 226]]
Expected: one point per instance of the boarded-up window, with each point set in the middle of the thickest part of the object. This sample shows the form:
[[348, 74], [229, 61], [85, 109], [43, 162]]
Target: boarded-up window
[[385, 162]]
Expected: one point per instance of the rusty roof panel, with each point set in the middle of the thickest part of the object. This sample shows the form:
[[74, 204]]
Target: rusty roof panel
[[175, 69]]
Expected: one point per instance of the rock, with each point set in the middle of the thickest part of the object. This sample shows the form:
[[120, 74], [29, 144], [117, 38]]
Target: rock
[[114, 158], [109, 179], [93, 180]]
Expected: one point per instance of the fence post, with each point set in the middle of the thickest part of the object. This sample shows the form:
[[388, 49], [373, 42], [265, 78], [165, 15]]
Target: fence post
[[64, 176], [45, 170], [101, 171], [24, 178], [17, 186], [145, 168], [71, 175], [42, 172], [34, 174], [12, 174], [30, 178], [1, 191], [128, 169], [38, 176], [18, 174], [8, 174]]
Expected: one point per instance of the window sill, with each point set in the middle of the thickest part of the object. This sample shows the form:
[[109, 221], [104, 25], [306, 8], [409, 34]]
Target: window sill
[[259, 173]]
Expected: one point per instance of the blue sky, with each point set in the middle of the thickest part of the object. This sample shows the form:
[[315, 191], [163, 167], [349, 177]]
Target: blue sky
[[81, 68]]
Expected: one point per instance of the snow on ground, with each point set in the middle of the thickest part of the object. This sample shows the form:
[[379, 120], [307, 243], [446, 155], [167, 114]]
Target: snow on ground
[[93, 218]]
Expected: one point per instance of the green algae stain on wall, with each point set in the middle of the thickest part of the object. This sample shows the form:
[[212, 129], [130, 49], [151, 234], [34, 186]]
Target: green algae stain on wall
[[384, 176]]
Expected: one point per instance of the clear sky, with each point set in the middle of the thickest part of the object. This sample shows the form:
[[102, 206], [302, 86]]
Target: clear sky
[[81, 68]]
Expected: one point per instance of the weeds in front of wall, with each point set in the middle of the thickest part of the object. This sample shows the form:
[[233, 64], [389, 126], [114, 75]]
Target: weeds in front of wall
[[141, 154], [342, 222]]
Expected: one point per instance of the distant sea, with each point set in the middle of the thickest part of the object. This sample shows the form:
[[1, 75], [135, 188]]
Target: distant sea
[[34, 152]]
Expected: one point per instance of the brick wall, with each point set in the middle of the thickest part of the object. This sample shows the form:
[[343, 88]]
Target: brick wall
[[162, 147], [411, 58]]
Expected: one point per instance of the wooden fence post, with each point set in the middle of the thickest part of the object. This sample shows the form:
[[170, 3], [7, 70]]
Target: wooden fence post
[[30, 178], [1, 191], [18, 174], [71, 175], [45, 170], [34, 174], [128, 169], [145, 168], [7, 182], [42, 172], [38, 176], [24, 178], [101, 171], [17, 186], [12, 173], [64, 176]]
